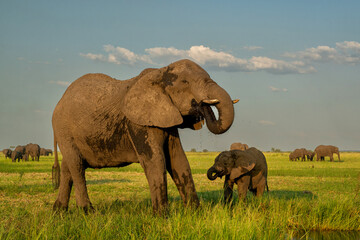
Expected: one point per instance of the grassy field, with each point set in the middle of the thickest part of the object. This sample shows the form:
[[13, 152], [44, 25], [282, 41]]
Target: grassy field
[[305, 199]]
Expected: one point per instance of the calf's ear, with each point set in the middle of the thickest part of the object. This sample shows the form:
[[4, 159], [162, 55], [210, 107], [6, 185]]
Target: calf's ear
[[241, 169]]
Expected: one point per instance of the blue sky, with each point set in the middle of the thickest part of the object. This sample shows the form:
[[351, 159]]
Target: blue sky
[[294, 65]]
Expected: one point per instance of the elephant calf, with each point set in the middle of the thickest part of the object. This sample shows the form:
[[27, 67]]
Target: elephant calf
[[248, 169]]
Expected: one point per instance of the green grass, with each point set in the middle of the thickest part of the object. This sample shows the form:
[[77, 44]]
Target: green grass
[[305, 199]]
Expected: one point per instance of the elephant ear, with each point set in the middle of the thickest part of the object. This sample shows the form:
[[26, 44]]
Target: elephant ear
[[146, 102], [243, 164]]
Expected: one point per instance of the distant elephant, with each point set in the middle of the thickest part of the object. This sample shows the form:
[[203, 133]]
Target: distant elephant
[[45, 152], [7, 153], [248, 169], [323, 151], [301, 153], [15, 155], [33, 150], [103, 122], [239, 146], [18, 153], [48, 152], [310, 155]]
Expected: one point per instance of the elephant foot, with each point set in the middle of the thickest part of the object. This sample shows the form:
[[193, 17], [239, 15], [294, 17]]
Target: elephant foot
[[162, 212], [88, 209], [59, 207]]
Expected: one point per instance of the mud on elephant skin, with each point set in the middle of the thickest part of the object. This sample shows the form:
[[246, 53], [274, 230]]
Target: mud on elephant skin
[[103, 122], [248, 169]]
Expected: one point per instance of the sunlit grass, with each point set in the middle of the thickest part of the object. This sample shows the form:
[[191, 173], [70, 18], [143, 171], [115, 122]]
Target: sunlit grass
[[303, 197]]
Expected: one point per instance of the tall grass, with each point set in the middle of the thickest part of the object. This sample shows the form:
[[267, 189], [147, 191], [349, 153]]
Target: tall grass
[[305, 197]]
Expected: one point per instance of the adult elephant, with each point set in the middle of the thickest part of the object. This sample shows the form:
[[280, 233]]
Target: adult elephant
[[18, 153], [239, 146], [103, 122], [42, 152], [7, 153], [323, 151], [32, 150], [309, 154], [45, 152], [48, 152], [300, 153]]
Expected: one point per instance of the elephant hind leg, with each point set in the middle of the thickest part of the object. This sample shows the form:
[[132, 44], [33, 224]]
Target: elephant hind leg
[[66, 183], [75, 165], [260, 190]]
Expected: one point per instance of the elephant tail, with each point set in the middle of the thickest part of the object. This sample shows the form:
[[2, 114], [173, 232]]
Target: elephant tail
[[267, 187], [56, 168]]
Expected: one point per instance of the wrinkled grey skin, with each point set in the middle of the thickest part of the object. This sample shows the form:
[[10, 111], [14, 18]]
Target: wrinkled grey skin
[[18, 153], [248, 169], [7, 153], [301, 153], [239, 146], [45, 152], [32, 150], [323, 151], [103, 122]]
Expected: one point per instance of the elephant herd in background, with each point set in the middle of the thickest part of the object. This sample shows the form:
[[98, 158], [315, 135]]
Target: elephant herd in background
[[23, 152], [320, 151]]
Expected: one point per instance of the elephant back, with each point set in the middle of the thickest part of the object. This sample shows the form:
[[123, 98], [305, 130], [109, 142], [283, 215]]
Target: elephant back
[[239, 146]]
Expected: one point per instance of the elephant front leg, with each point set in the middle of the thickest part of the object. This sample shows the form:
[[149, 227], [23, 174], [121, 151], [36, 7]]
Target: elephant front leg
[[178, 167], [243, 185], [228, 189], [148, 144], [154, 169]]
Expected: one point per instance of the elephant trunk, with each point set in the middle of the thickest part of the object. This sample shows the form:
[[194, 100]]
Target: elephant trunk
[[212, 174], [224, 106]]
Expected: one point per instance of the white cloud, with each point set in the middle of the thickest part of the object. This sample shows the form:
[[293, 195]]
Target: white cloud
[[206, 56], [274, 89], [349, 45], [253, 48], [61, 83], [266, 123], [92, 56], [344, 52]]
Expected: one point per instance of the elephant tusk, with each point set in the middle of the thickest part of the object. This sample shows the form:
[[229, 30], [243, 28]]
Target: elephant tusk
[[211, 101], [235, 101]]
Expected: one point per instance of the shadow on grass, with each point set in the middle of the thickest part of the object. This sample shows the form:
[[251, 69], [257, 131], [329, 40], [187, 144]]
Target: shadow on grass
[[287, 195], [217, 196], [104, 181], [333, 235]]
